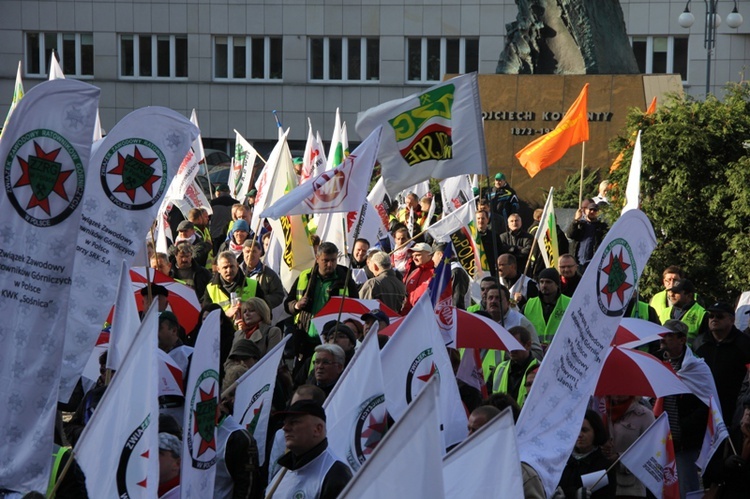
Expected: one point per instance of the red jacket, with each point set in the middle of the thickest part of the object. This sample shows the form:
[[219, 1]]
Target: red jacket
[[416, 282]]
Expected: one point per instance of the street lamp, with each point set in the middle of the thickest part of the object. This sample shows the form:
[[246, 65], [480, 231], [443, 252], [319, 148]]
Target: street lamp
[[713, 21]]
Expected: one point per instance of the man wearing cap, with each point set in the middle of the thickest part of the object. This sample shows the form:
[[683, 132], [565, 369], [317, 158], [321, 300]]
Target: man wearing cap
[[726, 350], [374, 316], [170, 450], [229, 282], [244, 352], [221, 206], [385, 286], [186, 233], [520, 286], [546, 310], [250, 199], [687, 414], [503, 200], [587, 232], [684, 308], [312, 470], [187, 269], [418, 274]]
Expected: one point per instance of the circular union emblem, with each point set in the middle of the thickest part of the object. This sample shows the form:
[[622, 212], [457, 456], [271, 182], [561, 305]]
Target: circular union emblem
[[372, 423], [615, 277], [134, 174], [44, 177], [203, 411], [420, 372], [135, 472]]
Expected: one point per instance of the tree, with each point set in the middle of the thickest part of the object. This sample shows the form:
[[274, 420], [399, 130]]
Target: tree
[[694, 180]]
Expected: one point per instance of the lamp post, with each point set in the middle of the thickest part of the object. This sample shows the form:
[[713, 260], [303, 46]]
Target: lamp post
[[713, 21]]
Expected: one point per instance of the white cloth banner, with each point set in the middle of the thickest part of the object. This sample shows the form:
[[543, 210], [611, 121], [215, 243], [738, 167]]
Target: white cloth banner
[[436, 133], [44, 149], [244, 157], [314, 158], [550, 420], [407, 461], [125, 320], [198, 470], [456, 192], [194, 198], [716, 432], [126, 181], [127, 419], [356, 415], [633, 190], [342, 189], [410, 358], [486, 462], [458, 219], [254, 396]]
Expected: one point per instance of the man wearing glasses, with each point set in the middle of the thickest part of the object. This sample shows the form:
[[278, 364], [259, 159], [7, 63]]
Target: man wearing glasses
[[587, 232]]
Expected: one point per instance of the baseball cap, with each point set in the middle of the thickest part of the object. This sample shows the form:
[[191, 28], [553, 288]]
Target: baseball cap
[[245, 349], [421, 247], [721, 307], [677, 327], [222, 188], [251, 193], [499, 176], [682, 286], [185, 225], [304, 407], [169, 442], [377, 315]]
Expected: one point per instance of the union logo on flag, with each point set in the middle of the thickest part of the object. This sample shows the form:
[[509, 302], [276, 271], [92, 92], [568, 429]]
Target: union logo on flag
[[616, 277], [330, 188], [134, 174]]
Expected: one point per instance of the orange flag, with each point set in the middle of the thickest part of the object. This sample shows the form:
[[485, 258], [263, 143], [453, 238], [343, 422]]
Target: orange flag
[[616, 163], [547, 149]]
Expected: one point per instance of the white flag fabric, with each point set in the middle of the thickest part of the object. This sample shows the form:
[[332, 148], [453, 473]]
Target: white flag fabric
[[436, 133], [336, 150], [198, 470], [125, 320], [550, 419], [356, 415], [17, 96], [441, 231], [380, 201], [716, 432], [633, 190], [194, 198], [274, 180], [407, 461], [55, 71], [162, 230], [314, 158], [651, 459], [98, 132], [45, 149], [244, 159], [456, 192], [184, 177], [546, 235], [171, 377], [410, 358], [341, 189], [486, 462], [127, 419], [254, 396], [126, 181]]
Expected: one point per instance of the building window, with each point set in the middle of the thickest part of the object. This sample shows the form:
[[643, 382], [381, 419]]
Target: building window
[[153, 56], [74, 52], [429, 59], [661, 54], [247, 58], [345, 59]]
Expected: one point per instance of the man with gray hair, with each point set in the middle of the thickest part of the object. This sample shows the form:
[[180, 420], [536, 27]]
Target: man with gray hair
[[329, 363], [385, 286]]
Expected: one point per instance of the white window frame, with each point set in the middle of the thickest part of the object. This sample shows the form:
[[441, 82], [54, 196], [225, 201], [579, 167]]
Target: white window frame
[[43, 62], [363, 60], [670, 52], [137, 38], [248, 59], [443, 56]]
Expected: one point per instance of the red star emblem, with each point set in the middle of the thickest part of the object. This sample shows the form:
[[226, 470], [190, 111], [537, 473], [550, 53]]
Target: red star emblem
[[44, 172], [143, 482], [205, 443], [130, 182], [426, 377], [617, 281], [374, 432]]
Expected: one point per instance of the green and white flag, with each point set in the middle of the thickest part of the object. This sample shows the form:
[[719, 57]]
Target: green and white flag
[[336, 152], [436, 133], [17, 96], [546, 234], [242, 167], [44, 152], [127, 179]]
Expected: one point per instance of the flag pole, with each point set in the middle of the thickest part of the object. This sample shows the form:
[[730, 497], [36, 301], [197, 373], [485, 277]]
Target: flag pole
[[64, 472], [580, 189], [349, 259]]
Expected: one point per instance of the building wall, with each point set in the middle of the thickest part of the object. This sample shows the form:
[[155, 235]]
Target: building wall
[[247, 107]]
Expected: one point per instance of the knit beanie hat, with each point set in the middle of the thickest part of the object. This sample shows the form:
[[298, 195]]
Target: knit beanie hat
[[551, 274]]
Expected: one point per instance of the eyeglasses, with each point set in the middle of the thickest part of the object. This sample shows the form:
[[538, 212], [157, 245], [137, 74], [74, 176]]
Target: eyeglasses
[[717, 316], [323, 362], [593, 209]]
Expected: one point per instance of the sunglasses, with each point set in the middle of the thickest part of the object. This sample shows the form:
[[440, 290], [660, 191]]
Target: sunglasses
[[717, 316]]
